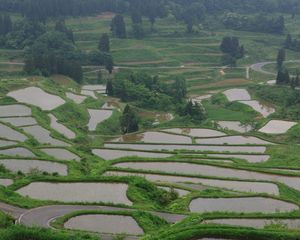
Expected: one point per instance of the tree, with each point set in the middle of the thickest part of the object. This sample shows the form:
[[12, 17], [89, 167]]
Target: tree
[[60, 26], [231, 46], [118, 27], [136, 16], [109, 63], [104, 43], [280, 58], [129, 121], [54, 53], [5, 25], [138, 31], [195, 111], [180, 89], [288, 42], [283, 77], [109, 88]]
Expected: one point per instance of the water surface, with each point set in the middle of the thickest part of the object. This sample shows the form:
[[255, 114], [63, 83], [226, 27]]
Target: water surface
[[6, 143], [75, 97], [235, 126], [60, 127], [89, 93], [98, 116], [196, 132], [233, 140], [43, 136], [11, 134], [245, 205], [277, 127], [237, 94], [26, 166], [17, 151], [78, 192], [101, 223], [109, 154], [259, 107], [245, 186], [15, 110], [61, 154], [150, 147], [19, 121], [37, 97], [6, 182]]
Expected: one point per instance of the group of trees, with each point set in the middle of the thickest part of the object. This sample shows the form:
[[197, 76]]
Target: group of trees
[[292, 44], [129, 120], [257, 23], [6, 25], [232, 50]]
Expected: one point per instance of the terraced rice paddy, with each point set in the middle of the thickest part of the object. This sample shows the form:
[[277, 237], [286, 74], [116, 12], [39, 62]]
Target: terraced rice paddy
[[11, 134], [152, 147], [60, 154], [245, 205], [19, 121], [14, 110], [43, 136], [98, 116], [78, 192], [196, 132], [60, 127], [154, 137], [6, 143], [110, 154], [102, 223], [257, 223], [31, 94], [264, 110], [242, 186], [75, 97], [235, 126], [233, 140], [277, 127], [28, 166], [6, 182], [17, 151], [237, 95]]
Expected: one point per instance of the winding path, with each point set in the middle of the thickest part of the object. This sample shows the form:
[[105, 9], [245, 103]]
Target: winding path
[[258, 67], [43, 216]]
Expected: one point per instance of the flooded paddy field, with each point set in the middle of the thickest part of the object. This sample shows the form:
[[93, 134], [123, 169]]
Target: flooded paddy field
[[31, 94], [245, 205], [101, 223], [17, 151], [61, 154], [98, 116], [110, 154], [242, 186], [42, 135], [27, 166], [151, 147], [77, 192]]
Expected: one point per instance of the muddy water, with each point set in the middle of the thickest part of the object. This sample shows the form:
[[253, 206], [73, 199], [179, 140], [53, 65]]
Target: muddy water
[[257, 223], [196, 132], [233, 140], [109, 154], [246, 205], [213, 171], [101, 223], [15, 110], [5, 143], [237, 94], [232, 149], [43, 136], [154, 137], [6, 182], [26, 166], [19, 121], [259, 107], [11, 134], [235, 126], [30, 95], [75, 97], [277, 127], [78, 192], [60, 154], [257, 187], [249, 158], [61, 128], [18, 151], [98, 116]]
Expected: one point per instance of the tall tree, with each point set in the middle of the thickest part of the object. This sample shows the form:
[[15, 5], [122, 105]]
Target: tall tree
[[118, 27], [104, 43], [288, 41], [60, 26], [109, 88], [129, 121], [180, 90], [280, 58]]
